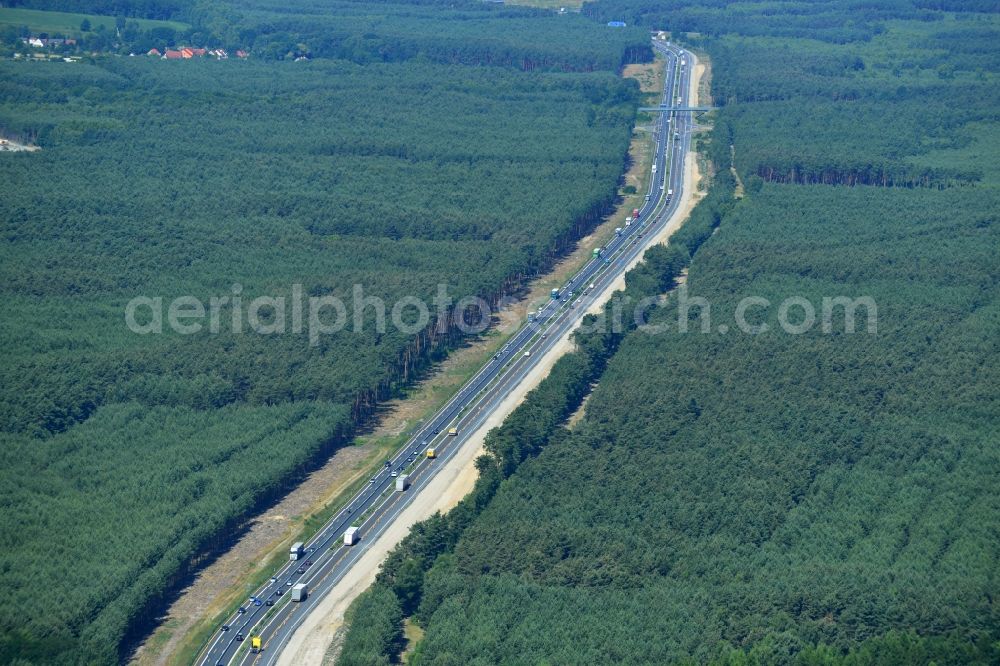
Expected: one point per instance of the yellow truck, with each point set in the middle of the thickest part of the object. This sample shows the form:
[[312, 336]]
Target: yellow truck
[[452, 432], [432, 453], [255, 644]]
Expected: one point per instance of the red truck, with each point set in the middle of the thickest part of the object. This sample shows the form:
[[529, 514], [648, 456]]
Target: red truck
[[635, 213]]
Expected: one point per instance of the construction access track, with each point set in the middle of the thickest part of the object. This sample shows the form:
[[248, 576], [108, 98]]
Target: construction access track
[[334, 572]]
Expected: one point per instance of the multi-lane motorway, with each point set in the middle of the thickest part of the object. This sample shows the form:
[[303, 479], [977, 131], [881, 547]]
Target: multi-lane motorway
[[269, 613]]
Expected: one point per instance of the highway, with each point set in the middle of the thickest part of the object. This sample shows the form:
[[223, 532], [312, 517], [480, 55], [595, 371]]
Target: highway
[[378, 503]]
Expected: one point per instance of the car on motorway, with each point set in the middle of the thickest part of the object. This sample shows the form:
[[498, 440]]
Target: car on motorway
[[273, 580], [309, 563], [300, 570], [427, 443], [257, 602], [242, 610], [239, 638]]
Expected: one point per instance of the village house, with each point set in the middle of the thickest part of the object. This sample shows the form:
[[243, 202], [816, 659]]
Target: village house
[[42, 42]]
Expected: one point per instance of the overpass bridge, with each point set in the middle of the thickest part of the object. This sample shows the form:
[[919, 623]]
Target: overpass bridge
[[678, 109]]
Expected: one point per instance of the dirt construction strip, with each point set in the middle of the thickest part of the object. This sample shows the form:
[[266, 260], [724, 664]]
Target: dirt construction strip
[[308, 645], [451, 483], [224, 581]]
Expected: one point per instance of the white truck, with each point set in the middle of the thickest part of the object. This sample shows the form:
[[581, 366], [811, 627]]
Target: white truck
[[300, 592], [352, 535]]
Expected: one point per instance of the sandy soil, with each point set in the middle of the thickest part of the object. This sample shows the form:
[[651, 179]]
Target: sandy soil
[[703, 75], [690, 197], [311, 642], [221, 583], [649, 75], [9, 146], [218, 584], [580, 412]]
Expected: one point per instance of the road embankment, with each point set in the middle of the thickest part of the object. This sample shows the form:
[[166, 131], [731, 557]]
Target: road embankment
[[310, 643]]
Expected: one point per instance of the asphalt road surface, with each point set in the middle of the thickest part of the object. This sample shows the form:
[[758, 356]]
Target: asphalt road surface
[[269, 613]]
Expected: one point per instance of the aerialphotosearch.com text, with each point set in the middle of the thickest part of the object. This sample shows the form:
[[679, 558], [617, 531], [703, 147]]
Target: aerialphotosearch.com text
[[318, 316]]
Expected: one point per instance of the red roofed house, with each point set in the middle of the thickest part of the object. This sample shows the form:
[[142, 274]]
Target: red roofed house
[[199, 52], [154, 52], [241, 54], [187, 53], [172, 55]]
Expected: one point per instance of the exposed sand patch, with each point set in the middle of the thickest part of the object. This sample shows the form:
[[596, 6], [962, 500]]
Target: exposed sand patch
[[221, 582], [11, 146], [649, 75], [312, 641]]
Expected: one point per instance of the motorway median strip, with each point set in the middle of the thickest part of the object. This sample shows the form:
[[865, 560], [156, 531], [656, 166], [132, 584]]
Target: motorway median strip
[[350, 493]]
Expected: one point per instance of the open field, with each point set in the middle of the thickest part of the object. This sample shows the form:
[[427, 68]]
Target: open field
[[570, 5], [69, 23]]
